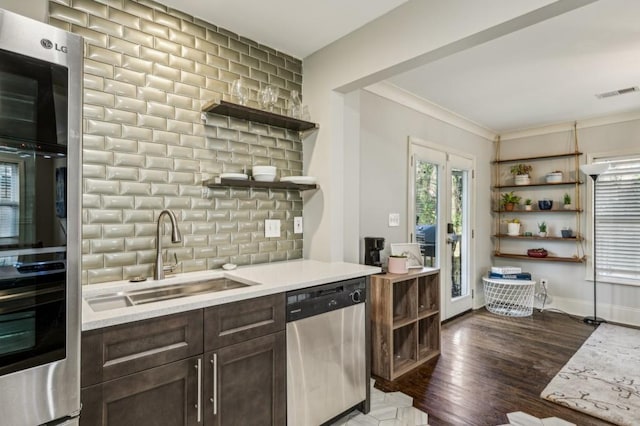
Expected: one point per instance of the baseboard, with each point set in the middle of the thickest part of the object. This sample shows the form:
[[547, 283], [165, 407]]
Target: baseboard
[[612, 313]]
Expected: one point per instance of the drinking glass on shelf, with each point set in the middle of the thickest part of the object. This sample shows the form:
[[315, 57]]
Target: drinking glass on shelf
[[306, 116], [239, 92], [268, 96], [272, 93], [294, 105]]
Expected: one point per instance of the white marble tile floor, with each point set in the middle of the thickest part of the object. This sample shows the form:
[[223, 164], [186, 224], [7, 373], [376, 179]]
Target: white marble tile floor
[[396, 409], [387, 409]]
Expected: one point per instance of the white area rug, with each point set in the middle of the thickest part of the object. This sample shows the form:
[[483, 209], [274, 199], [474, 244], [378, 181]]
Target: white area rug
[[602, 379]]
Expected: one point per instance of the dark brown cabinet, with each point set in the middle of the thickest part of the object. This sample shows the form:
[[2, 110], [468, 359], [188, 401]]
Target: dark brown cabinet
[[155, 372], [247, 384], [164, 395]]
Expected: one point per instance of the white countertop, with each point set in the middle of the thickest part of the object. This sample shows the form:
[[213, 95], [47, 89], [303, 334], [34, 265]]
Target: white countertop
[[265, 279]]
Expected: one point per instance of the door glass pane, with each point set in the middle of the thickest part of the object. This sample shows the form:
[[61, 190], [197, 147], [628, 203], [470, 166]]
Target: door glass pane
[[455, 238], [426, 190]]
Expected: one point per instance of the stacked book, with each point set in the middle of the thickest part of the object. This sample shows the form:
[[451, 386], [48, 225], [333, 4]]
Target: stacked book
[[509, 273]]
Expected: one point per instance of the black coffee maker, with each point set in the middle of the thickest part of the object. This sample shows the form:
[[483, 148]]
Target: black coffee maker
[[372, 248]]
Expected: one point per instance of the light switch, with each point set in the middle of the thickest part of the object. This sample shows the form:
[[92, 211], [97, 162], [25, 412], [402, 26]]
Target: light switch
[[271, 228], [394, 219], [297, 225]]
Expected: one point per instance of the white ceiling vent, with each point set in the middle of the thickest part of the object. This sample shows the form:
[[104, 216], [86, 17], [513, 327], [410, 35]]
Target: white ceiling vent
[[617, 92]]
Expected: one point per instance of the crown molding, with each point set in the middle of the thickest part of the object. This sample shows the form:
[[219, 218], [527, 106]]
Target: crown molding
[[567, 127], [394, 93]]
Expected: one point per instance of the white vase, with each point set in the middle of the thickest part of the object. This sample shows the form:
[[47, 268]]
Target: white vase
[[528, 207], [522, 180], [513, 229], [568, 206], [542, 234]]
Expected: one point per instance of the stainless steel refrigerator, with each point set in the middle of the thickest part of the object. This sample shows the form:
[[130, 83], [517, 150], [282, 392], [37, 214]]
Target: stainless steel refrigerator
[[40, 172]]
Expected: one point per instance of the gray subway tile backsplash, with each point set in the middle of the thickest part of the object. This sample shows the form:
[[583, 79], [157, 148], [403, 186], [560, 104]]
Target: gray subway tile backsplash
[[147, 72]]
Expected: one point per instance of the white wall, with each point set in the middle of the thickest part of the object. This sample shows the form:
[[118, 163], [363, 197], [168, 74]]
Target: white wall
[[570, 284], [384, 132], [34, 9], [417, 32]]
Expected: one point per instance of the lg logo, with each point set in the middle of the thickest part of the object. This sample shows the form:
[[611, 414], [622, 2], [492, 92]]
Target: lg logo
[[48, 44]]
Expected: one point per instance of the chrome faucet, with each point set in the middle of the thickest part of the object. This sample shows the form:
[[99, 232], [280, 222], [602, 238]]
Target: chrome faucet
[[158, 272]]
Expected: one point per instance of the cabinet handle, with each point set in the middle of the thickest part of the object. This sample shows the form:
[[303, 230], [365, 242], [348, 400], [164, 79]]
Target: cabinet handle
[[199, 404], [214, 399]]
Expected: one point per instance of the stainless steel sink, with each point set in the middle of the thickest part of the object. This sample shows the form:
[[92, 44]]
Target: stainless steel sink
[[138, 297]]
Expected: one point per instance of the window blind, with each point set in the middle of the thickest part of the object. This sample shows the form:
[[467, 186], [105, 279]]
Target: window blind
[[618, 221], [9, 207]]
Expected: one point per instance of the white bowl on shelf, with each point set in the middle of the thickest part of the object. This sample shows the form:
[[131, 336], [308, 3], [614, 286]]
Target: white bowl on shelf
[[264, 178], [264, 170], [555, 177]]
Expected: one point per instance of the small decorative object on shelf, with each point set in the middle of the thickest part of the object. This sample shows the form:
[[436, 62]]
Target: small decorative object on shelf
[[398, 264], [545, 204], [542, 229], [527, 204], [539, 252], [513, 227], [520, 173], [567, 233], [509, 200], [554, 177], [566, 199]]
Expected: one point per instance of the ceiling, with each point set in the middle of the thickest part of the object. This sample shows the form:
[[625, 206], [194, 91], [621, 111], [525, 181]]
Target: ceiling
[[295, 27], [544, 74]]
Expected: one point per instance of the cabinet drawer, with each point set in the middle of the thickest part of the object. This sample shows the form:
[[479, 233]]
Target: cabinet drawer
[[235, 322], [125, 349], [166, 395]]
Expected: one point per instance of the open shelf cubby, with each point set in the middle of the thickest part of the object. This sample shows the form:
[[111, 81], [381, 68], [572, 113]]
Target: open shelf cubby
[[405, 321]]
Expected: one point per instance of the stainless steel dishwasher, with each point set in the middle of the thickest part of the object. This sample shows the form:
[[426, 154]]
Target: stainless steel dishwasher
[[327, 359]]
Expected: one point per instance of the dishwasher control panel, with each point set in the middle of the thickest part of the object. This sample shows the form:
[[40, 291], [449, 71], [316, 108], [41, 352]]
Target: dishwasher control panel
[[312, 301]]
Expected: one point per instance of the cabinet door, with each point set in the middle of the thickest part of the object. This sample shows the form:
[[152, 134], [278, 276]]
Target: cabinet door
[[125, 349], [237, 322], [168, 395], [245, 384]]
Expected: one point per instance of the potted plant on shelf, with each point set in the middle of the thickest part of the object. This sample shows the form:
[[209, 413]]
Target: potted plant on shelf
[[513, 227], [527, 204], [566, 199], [542, 229], [509, 200], [520, 173]]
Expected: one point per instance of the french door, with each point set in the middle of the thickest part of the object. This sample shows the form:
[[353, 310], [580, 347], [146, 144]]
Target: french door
[[440, 206]]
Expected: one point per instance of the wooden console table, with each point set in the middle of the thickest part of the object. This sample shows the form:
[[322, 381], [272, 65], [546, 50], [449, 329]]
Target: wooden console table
[[405, 321]]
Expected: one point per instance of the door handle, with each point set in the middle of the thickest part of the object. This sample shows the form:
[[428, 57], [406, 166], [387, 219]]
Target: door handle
[[214, 399], [199, 404]]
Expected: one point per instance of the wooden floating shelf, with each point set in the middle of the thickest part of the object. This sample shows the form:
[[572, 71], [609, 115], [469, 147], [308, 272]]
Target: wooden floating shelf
[[547, 259], [257, 115], [535, 237], [543, 157], [219, 182], [572, 182], [540, 211]]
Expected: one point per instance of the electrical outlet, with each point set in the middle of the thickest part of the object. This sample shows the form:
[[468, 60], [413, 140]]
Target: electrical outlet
[[297, 225], [271, 228], [394, 219]]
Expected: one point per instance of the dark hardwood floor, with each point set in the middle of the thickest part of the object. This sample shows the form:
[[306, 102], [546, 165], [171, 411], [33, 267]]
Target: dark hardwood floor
[[492, 365]]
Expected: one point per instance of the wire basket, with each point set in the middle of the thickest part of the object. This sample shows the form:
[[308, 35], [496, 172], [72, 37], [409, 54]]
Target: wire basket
[[511, 298]]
